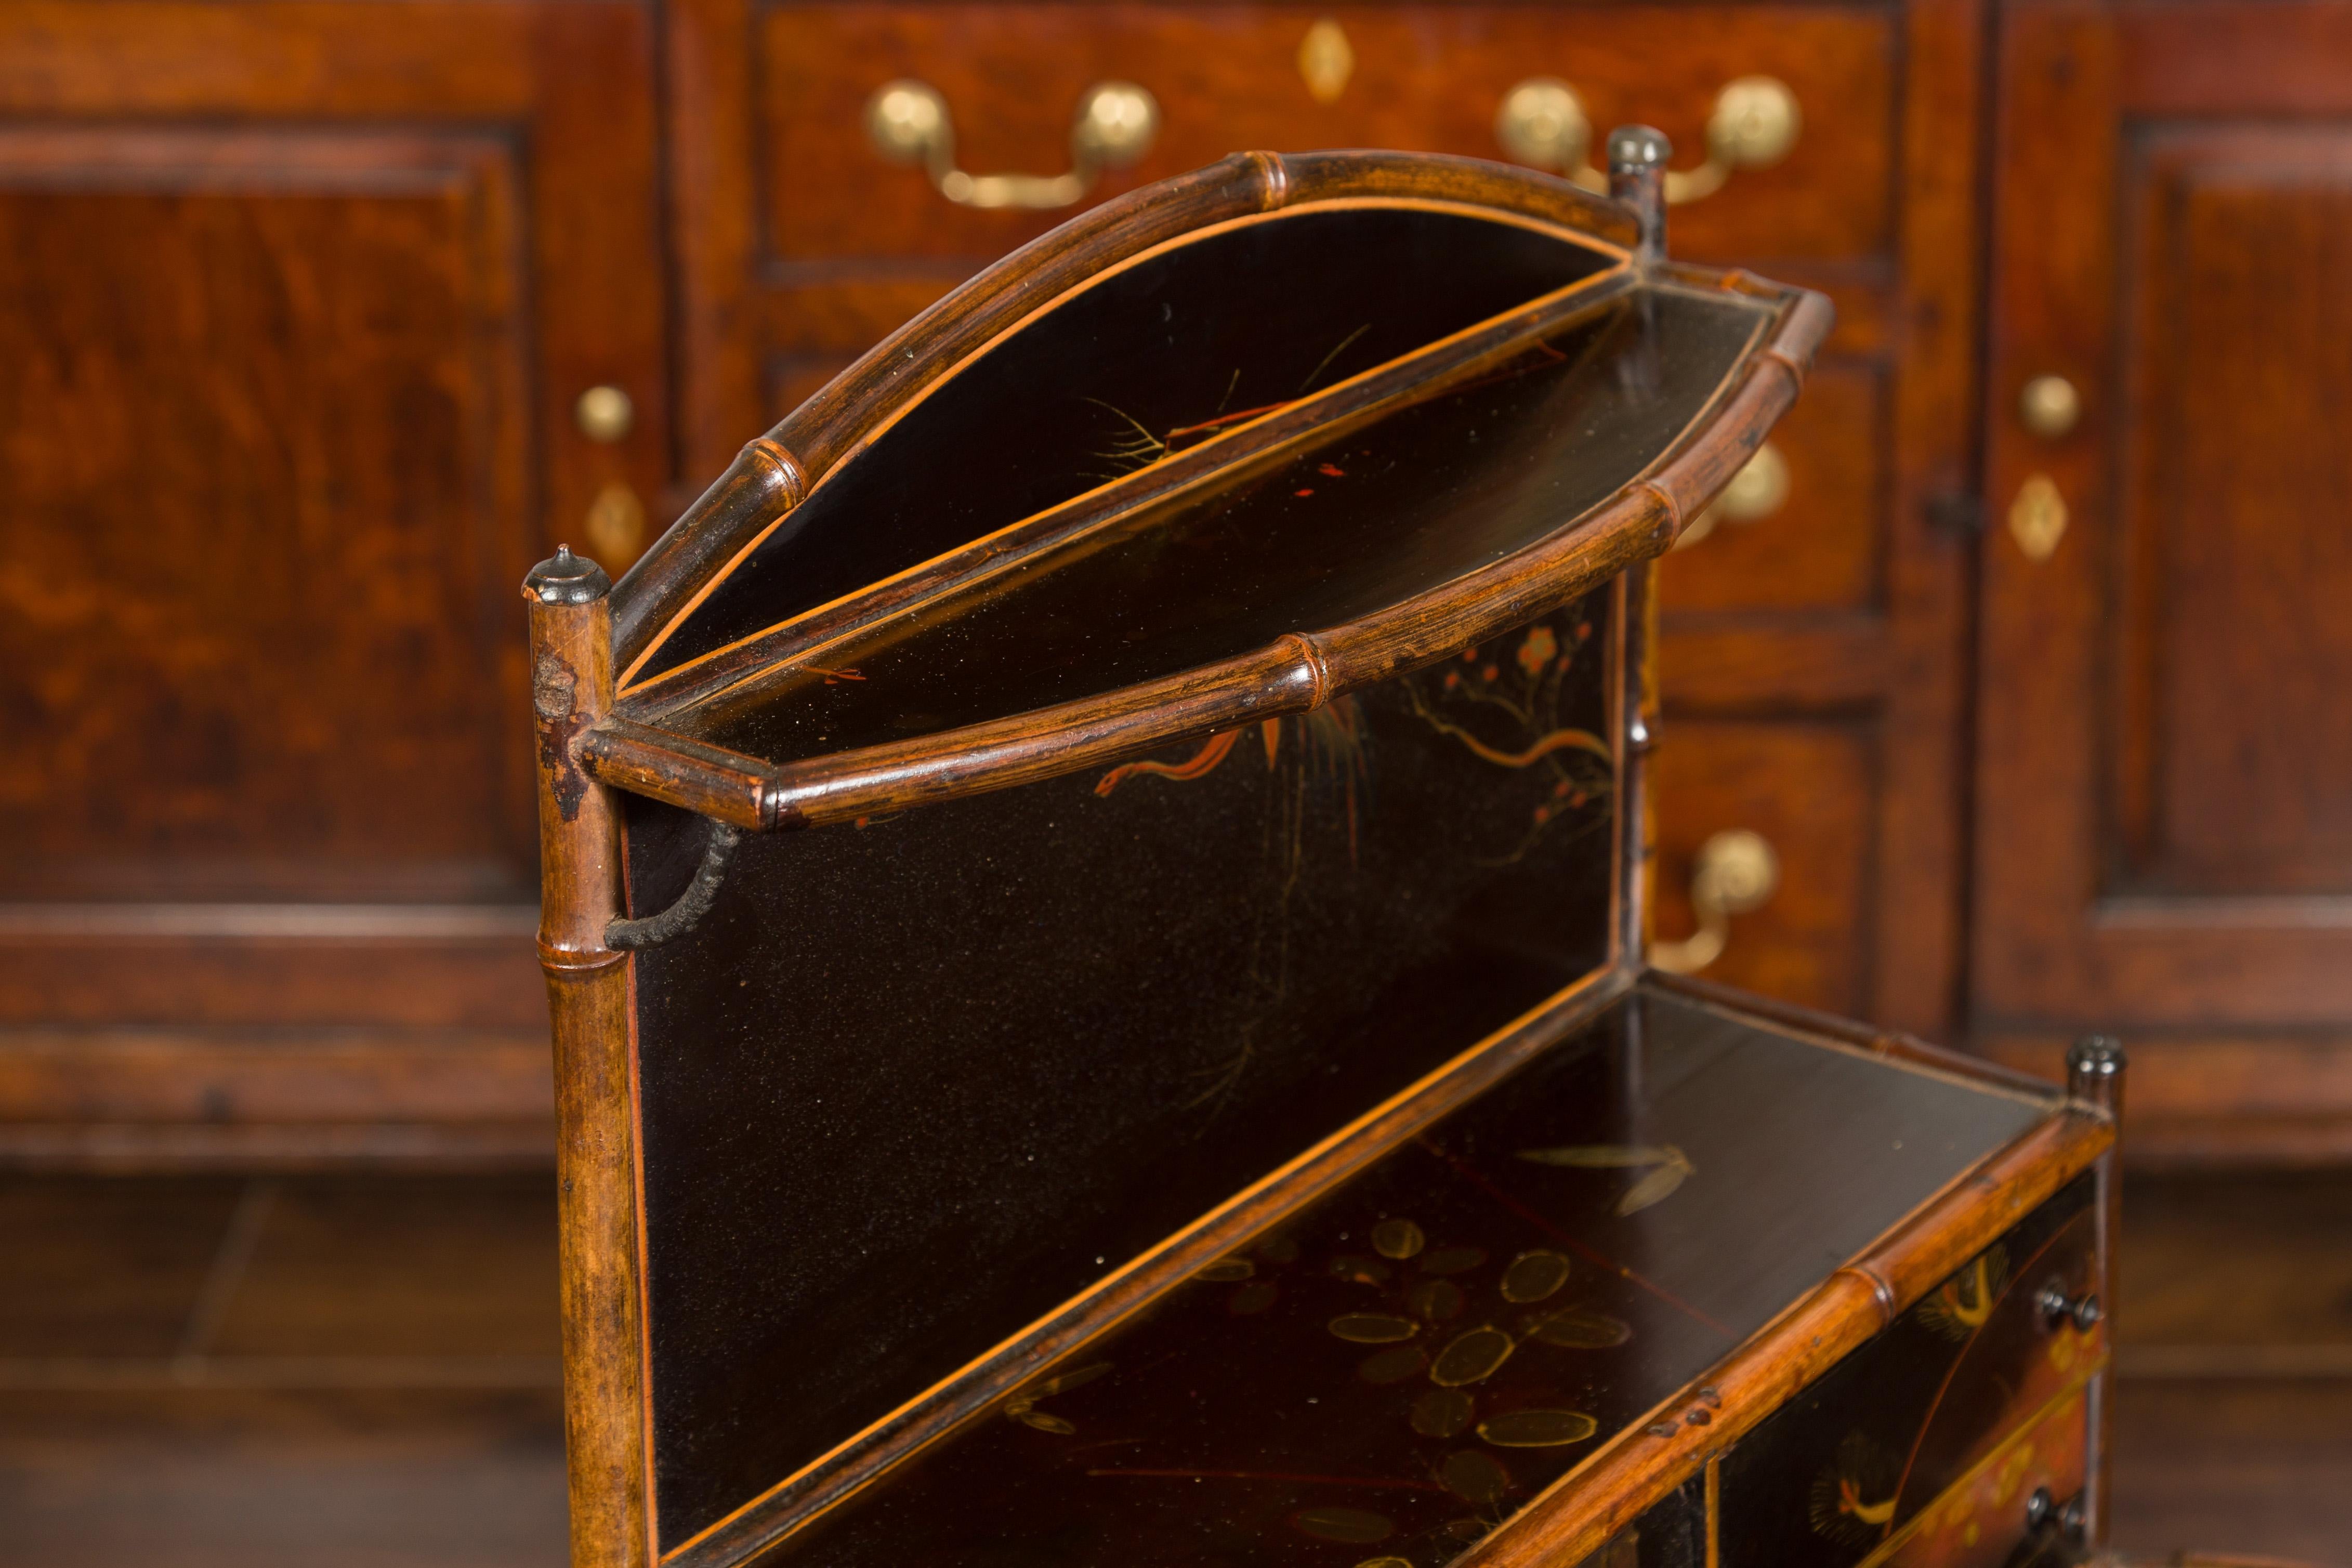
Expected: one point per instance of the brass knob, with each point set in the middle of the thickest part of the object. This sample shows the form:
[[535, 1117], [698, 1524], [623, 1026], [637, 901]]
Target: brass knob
[[1736, 872], [1754, 123], [2050, 406], [1116, 124], [1759, 489], [604, 414], [907, 122], [1542, 122]]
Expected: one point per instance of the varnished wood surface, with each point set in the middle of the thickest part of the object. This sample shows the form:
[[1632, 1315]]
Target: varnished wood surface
[[205, 1372], [2154, 852], [301, 299]]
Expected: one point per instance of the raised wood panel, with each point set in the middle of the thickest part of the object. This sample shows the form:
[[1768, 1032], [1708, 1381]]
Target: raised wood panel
[[2228, 647], [295, 302], [2233, 564], [1809, 788], [263, 457]]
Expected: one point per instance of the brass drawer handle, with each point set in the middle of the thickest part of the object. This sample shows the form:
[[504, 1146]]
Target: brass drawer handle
[[1754, 124], [1736, 872], [1759, 489], [907, 122]]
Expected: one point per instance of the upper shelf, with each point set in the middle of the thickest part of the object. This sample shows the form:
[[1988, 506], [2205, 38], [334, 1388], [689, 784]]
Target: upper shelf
[[1221, 452]]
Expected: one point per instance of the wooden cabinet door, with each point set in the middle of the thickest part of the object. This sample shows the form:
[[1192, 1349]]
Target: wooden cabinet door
[[296, 301], [2164, 809]]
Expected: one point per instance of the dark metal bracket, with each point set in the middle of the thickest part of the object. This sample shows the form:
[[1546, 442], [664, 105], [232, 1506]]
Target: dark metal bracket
[[692, 904]]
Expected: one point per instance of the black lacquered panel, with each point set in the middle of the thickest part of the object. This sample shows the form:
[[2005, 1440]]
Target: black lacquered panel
[[1344, 527], [1170, 347], [1397, 1370], [913, 1083], [1841, 1469]]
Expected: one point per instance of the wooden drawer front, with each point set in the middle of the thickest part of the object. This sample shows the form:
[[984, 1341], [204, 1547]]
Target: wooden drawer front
[[1818, 547], [1942, 1420], [1808, 787], [1229, 77]]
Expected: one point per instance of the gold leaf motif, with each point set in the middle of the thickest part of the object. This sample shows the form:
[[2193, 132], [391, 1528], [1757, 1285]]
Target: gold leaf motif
[[1043, 1421], [1385, 1562], [1960, 1306], [1852, 1497], [1443, 1412], [1603, 1156], [1471, 1357], [1532, 1276], [1326, 60], [1578, 1329], [1357, 1526], [1062, 1383], [1227, 1269], [1537, 1429], [1452, 1259], [1436, 1300], [1475, 1477], [1655, 1188], [1397, 1239], [1252, 1299], [1392, 1365], [1372, 1328]]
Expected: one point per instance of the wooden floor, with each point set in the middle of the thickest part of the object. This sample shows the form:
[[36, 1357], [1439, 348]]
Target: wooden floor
[[361, 1371]]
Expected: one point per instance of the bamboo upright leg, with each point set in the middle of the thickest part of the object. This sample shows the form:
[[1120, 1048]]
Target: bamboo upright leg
[[588, 994]]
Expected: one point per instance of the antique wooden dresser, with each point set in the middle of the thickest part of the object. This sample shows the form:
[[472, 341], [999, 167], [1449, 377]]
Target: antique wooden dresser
[[1094, 911]]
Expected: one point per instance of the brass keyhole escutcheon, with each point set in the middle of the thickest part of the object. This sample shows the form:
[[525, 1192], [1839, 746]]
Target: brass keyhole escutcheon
[[1326, 60], [2037, 518]]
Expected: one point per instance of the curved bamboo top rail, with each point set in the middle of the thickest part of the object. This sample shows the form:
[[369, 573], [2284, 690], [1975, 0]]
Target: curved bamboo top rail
[[652, 744]]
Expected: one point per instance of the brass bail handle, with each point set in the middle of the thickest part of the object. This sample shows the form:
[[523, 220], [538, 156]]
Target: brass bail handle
[[1736, 872], [907, 122], [1754, 124]]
